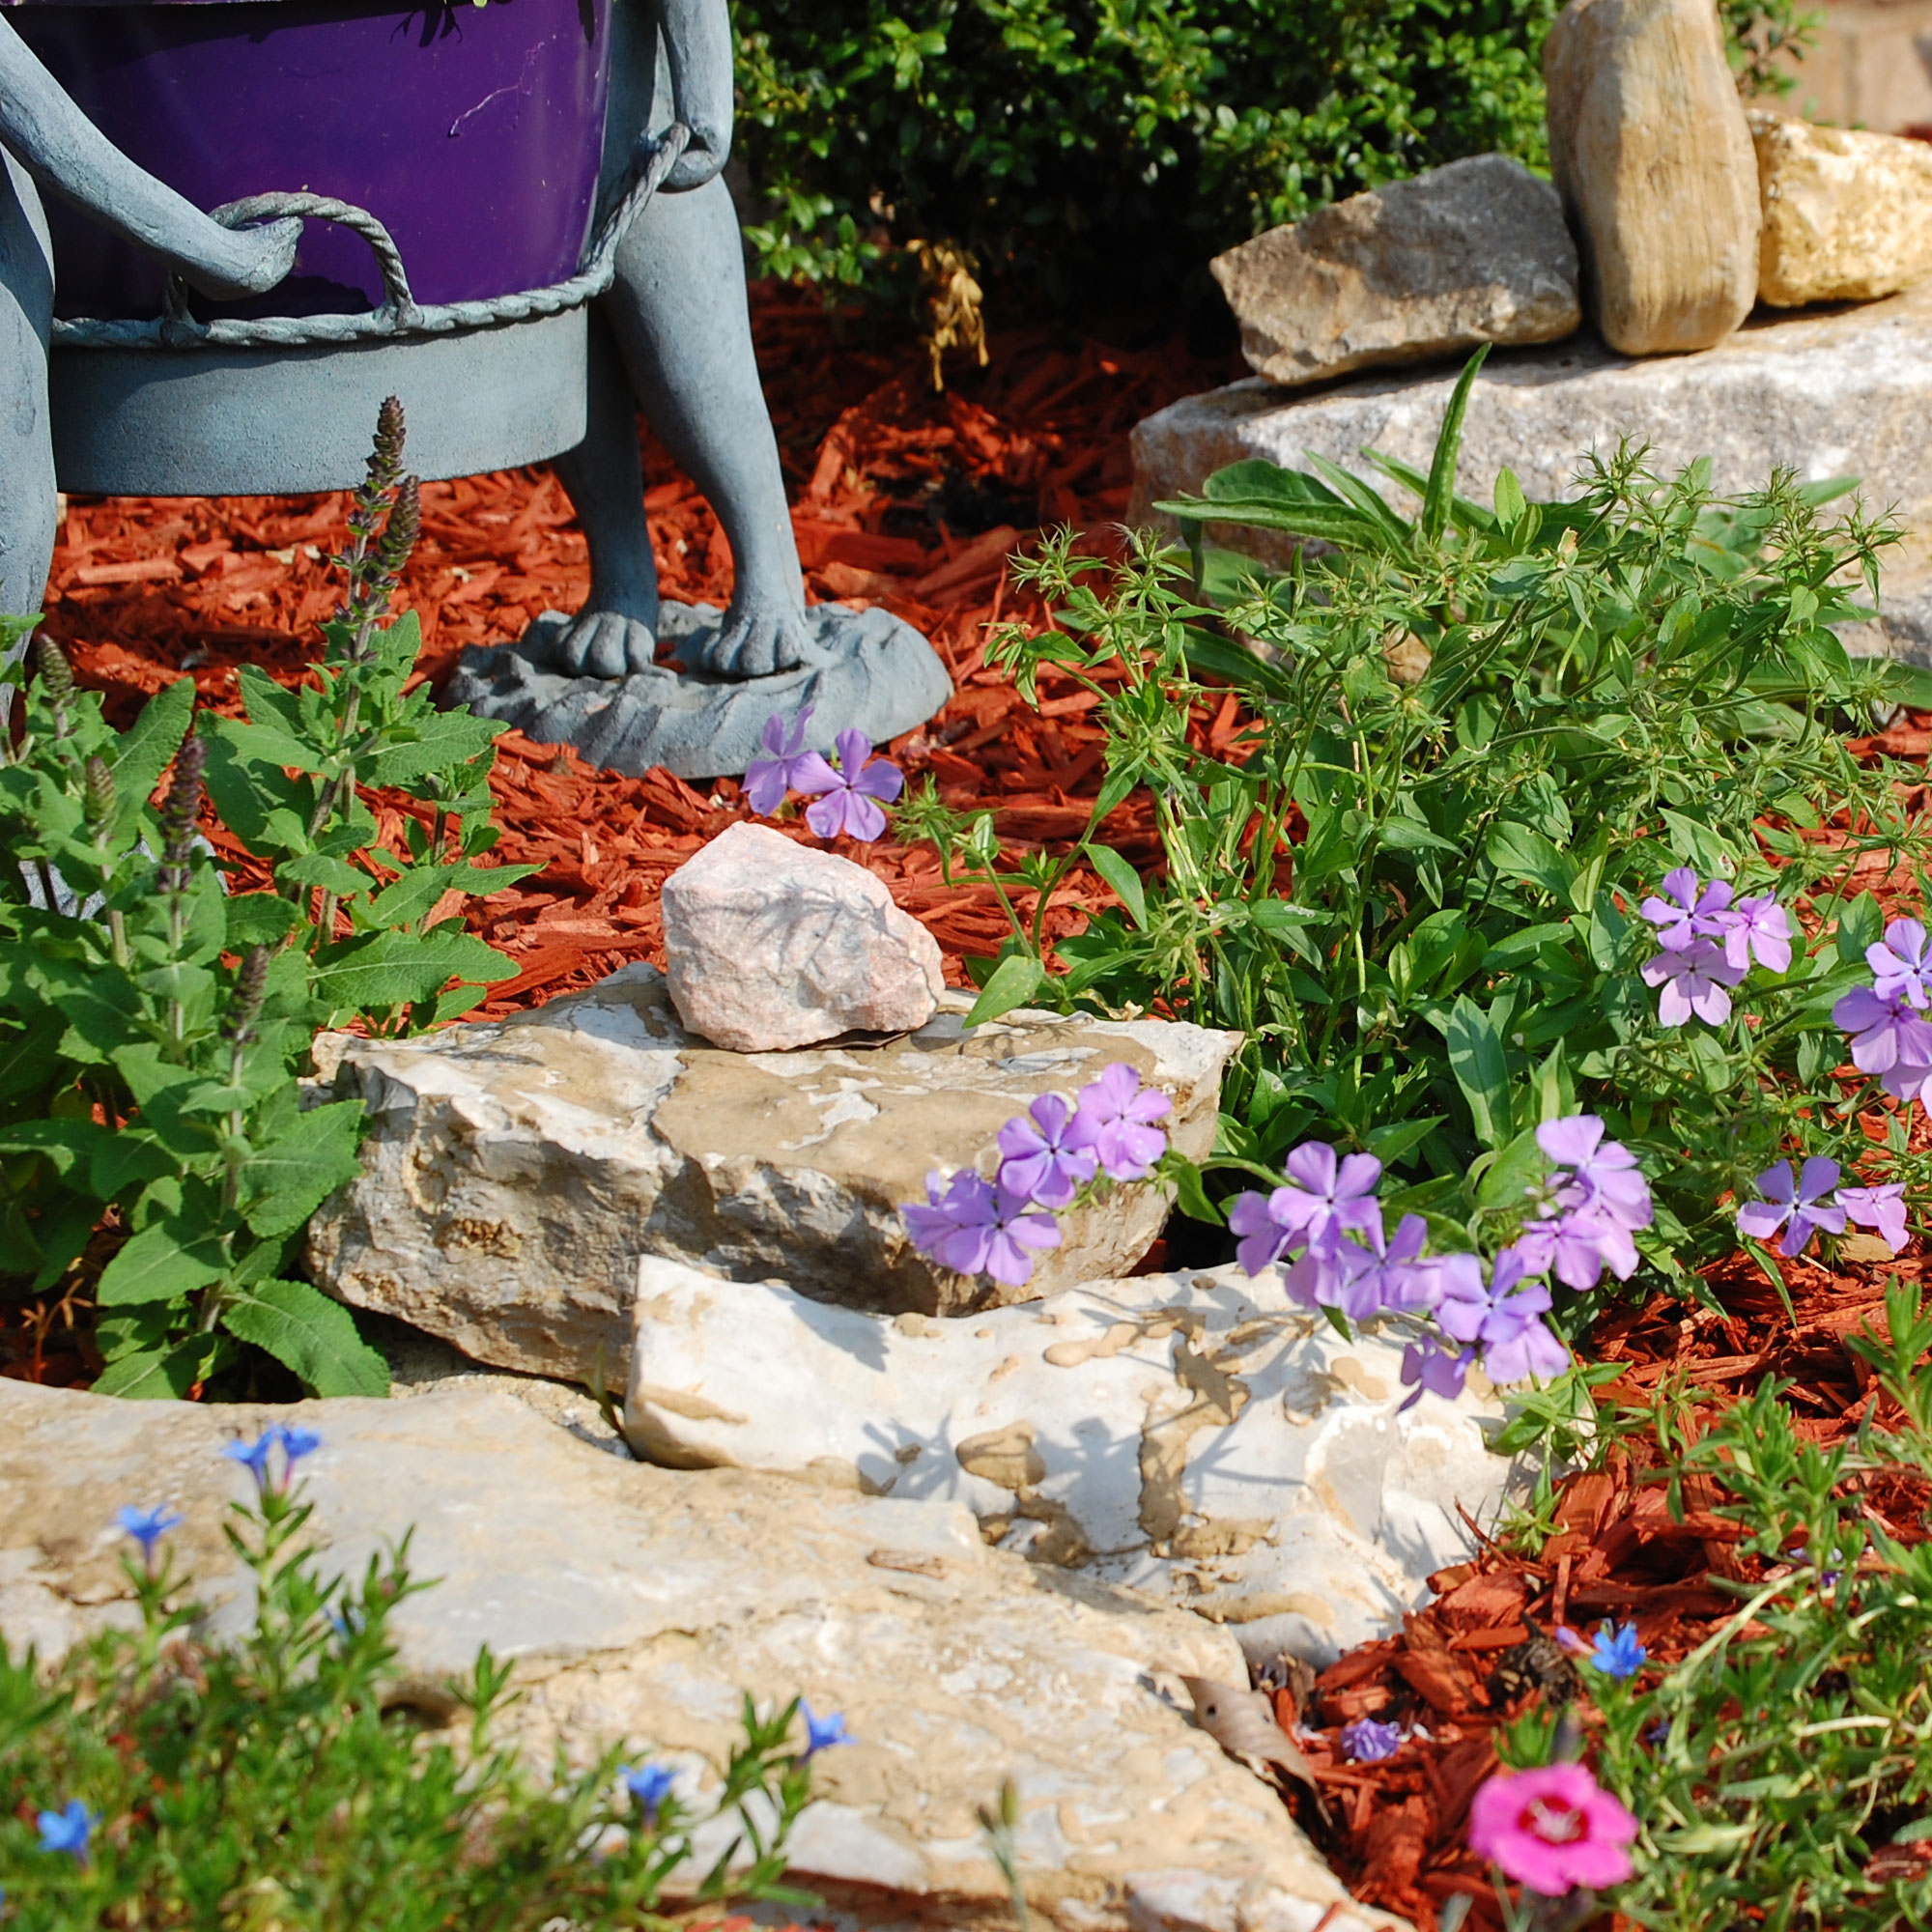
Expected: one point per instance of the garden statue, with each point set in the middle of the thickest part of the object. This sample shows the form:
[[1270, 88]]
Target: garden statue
[[567, 151]]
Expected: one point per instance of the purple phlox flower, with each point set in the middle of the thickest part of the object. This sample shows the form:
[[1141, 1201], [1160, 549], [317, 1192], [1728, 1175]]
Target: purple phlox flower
[[1658, 1732], [1696, 981], [821, 1733], [1572, 1640], [1047, 1152], [1264, 1235], [148, 1526], [1369, 1743], [1617, 1653], [1900, 969], [767, 780], [1428, 1366], [69, 1830], [1797, 1208], [977, 1227], [1800, 1554], [1325, 1197], [1606, 1171], [846, 798], [1685, 914], [649, 1786], [1886, 1033], [1880, 1208], [1120, 1115], [1363, 1279], [1503, 1318], [1577, 1245], [1759, 926]]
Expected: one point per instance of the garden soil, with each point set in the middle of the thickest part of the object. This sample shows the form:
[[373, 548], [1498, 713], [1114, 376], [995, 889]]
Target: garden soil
[[914, 499]]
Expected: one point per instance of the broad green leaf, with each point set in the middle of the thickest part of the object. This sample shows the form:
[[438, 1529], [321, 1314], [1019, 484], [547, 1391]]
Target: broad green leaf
[[155, 1374], [308, 1334], [1509, 498], [260, 919], [1521, 852], [1388, 1143], [1861, 925], [1123, 880], [1014, 981], [287, 1180], [1481, 1067], [157, 1265], [391, 969], [1507, 1179], [150, 743]]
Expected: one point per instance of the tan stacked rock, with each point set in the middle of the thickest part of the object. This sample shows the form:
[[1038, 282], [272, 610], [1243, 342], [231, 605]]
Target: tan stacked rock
[[1653, 156], [1847, 217]]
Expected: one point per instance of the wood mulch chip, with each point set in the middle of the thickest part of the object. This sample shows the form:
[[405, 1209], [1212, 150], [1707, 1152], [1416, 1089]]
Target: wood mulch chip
[[914, 501]]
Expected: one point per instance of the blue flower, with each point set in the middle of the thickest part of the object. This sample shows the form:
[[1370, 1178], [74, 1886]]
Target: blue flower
[[297, 1443], [649, 1787], [68, 1831], [254, 1456], [821, 1733], [1617, 1653], [147, 1526], [1369, 1743]]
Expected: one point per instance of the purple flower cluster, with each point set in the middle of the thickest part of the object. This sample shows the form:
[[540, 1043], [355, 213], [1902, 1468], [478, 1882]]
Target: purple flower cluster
[[1325, 1222], [1593, 1203], [1709, 945], [1889, 1037], [1047, 1155], [846, 798], [1795, 1209]]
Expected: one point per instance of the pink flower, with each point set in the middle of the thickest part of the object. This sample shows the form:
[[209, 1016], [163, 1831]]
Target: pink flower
[[845, 797], [1553, 1830]]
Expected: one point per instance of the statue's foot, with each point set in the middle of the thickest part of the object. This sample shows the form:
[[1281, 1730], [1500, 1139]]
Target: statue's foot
[[758, 637], [593, 644]]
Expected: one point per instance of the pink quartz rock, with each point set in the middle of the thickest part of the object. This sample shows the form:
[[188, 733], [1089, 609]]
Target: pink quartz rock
[[769, 944]]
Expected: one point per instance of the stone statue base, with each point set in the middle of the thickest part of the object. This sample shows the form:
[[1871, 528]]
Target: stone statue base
[[877, 675]]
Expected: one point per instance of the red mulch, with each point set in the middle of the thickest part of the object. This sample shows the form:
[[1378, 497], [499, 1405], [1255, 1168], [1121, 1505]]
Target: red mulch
[[914, 501]]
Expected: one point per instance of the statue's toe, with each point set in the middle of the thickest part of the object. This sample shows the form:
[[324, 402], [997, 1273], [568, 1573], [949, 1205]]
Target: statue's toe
[[593, 644], [760, 641]]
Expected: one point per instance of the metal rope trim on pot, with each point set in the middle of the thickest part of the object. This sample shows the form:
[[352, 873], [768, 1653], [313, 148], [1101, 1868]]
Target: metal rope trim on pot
[[399, 317]]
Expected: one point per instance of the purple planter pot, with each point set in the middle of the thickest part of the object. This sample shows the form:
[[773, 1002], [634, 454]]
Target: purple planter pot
[[473, 133]]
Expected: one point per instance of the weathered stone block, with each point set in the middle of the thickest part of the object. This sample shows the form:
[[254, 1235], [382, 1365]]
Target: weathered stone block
[[1196, 1436], [517, 1172], [641, 1604], [1847, 216], [1651, 151], [1473, 252]]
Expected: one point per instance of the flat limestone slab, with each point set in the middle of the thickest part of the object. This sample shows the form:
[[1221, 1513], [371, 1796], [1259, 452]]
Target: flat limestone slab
[[517, 1172], [1193, 1435], [1841, 392], [640, 1603]]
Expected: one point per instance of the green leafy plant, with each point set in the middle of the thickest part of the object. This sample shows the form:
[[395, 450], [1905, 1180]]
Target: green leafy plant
[[1782, 1771], [154, 1026], [1088, 145], [165, 1778], [1482, 734]]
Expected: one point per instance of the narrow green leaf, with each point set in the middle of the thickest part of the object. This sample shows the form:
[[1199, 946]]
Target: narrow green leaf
[[1123, 880], [1436, 504]]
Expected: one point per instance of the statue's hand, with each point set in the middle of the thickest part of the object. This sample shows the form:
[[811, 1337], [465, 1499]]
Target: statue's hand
[[244, 261], [701, 161]]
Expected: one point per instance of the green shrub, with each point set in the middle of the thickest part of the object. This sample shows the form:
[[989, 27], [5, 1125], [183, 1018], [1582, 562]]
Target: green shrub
[[1075, 144], [154, 1026], [1481, 739], [276, 1782]]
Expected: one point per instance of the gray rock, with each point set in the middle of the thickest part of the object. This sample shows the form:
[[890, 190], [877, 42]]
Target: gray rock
[[1826, 396], [1650, 147], [876, 674], [638, 1604], [769, 944], [1196, 1436], [517, 1172], [1473, 252]]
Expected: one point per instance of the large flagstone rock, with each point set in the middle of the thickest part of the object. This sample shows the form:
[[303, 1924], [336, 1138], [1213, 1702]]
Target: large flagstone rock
[[518, 1171], [1652, 154], [1844, 394], [639, 1604], [1196, 1436], [1473, 252]]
